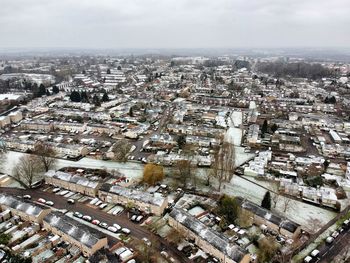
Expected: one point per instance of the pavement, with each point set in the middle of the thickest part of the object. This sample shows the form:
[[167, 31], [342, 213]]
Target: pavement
[[137, 231]]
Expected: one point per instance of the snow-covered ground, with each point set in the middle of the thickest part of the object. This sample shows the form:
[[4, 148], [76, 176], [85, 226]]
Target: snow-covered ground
[[129, 169], [304, 214], [234, 136], [235, 119]]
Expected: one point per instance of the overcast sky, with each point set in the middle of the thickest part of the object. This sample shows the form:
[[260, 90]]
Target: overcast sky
[[174, 23]]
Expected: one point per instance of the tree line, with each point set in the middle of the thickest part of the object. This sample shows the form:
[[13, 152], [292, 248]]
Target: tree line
[[296, 70]]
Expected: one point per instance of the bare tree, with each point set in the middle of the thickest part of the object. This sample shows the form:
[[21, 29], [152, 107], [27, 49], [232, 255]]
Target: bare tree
[[275, 196], [187, 167], [46, 155], [2, 153], [121, 150], [26, 169], [183, 168], [286, 203], [224, 162]]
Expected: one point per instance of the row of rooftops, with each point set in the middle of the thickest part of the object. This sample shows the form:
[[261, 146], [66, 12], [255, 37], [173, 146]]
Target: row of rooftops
[[132, 194], [80, 232], [72, 178], [206, 233]]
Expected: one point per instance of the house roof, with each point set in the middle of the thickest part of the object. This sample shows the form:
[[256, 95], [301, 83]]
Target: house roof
[[20, 205], [206, 233], [80, 232], [268, 215], [76, 179], [133, 194]]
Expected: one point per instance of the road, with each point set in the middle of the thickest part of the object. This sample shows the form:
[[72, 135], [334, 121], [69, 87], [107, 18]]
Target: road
[[137, 231], [162, 124], [329, 252]]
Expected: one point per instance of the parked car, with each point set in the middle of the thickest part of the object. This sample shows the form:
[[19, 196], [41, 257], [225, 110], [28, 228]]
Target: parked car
[[27, 197], [42, 200], [50, 203], [120, 250], [95, 222], [315, 253], [133, 217], [118, 227], [98, 203], [164, 254], [329, 240], [77, 214], [112, 229], [102, 206], [307, 259], [87, 218], [70, 201], [146, 241], [126, 231], [103, 225], [139, 218], [56, 190], [64, 192], [94, 201], [335, 234]]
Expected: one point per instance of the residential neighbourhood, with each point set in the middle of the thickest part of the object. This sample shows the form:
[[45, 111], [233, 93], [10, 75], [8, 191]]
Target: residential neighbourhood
[[174, 159]]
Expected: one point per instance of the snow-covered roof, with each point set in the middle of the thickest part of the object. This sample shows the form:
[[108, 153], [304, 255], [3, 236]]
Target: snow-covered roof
[[215, 239], [133, 194], [18, 204], [82, 233]]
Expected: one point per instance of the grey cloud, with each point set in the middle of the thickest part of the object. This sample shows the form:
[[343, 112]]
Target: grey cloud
[[174, 23]]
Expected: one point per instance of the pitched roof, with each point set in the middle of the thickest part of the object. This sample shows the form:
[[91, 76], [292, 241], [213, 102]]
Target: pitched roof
[[78, 231], [206, 233], [20, 205]]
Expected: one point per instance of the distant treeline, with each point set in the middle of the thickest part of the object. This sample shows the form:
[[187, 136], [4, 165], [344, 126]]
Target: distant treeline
[[296, 70]]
